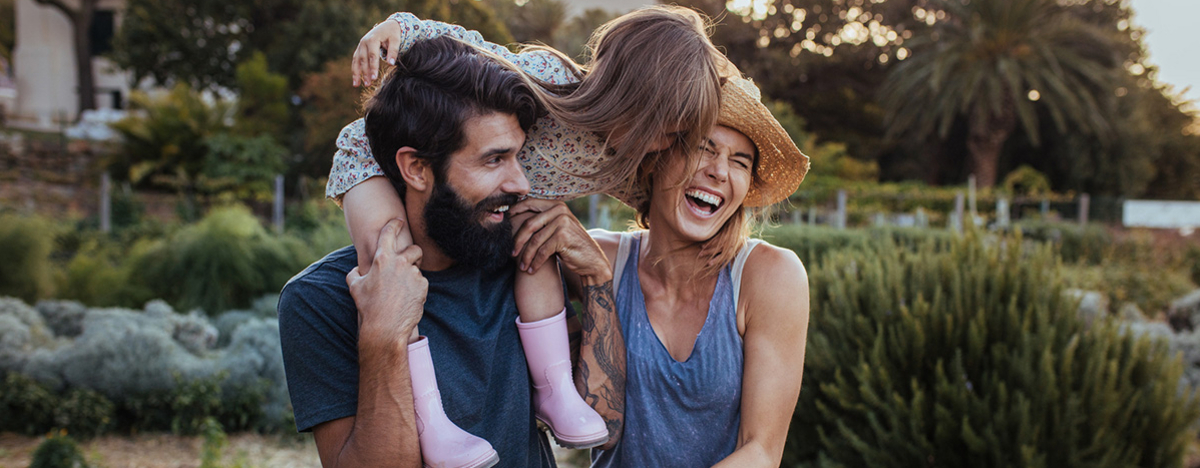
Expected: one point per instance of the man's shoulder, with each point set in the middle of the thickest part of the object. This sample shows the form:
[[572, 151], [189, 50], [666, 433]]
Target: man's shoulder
[[323, 279]]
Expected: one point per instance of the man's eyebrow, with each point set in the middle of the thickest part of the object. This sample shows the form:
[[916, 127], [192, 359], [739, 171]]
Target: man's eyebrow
[[495, 151]]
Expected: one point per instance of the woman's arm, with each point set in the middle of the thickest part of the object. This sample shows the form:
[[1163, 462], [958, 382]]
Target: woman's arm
[[774, 298], [401, 30]]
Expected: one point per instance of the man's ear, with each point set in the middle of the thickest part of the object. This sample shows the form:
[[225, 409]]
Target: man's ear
[[415, 171]]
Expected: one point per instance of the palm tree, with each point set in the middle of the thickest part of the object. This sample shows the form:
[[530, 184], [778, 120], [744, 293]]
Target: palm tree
[[995, 63]]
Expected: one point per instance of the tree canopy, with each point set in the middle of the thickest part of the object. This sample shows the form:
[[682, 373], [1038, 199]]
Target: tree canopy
[[829, 60]]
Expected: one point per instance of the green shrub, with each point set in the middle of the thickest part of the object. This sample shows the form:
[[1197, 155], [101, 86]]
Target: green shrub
[[1075, 243], [973, 356], [1150, 287], [221, 263], [84, 413], [58, 451], [25, 245], [186, 408], [26, 407], [813, 243], [93, 276]]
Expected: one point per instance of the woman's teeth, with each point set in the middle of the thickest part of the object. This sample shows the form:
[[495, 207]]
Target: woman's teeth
[[704, 197]]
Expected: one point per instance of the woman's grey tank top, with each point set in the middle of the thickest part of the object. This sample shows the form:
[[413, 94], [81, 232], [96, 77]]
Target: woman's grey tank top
[[677, 414]]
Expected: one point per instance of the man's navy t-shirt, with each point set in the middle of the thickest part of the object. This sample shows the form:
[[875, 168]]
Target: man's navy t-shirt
[[469, 321]]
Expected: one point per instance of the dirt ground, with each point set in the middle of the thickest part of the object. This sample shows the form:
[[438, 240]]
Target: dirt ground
[[169, 451]]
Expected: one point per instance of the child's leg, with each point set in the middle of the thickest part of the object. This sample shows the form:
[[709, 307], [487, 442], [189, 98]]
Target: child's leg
[[442, 442], [368, 206], [543, 330], [539, 294]]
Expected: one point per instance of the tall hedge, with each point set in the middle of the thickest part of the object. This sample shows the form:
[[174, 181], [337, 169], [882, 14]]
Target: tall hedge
[[971, 355]]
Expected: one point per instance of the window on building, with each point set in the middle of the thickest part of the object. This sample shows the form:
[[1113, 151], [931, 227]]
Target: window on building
[[101, 31]]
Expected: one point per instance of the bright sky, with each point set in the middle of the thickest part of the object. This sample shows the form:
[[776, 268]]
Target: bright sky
[[1171, 40]]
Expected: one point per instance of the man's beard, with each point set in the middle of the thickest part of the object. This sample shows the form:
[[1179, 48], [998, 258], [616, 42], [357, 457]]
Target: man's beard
[[457, 229]]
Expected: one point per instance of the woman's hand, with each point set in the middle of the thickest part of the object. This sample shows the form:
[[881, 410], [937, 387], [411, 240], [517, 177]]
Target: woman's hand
[[382, 41], [545, 228]]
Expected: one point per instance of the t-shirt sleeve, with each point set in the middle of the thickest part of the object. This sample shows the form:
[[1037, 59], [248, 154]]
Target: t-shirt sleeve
[[318, 329]]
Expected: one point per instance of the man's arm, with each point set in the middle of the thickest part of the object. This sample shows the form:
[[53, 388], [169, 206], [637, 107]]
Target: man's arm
[[597, 346], [390, 300]]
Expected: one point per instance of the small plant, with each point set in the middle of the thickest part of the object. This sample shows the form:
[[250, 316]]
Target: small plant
[[215, 441], [58, 451]]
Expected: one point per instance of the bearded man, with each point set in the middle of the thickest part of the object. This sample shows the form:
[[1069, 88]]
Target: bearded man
[[450, 122]]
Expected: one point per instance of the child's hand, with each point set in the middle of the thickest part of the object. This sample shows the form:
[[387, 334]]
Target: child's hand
[[382, 41]]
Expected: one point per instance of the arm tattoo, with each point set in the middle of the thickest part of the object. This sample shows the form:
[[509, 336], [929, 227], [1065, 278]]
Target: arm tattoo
[[601, 338]]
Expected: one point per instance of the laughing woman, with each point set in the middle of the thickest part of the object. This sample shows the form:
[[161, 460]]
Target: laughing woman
[[715, 323]]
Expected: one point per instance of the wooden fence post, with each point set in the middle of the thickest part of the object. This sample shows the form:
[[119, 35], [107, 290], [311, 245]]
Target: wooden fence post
[[277, 217], [1085, 202], [841, 210], [105, 203]]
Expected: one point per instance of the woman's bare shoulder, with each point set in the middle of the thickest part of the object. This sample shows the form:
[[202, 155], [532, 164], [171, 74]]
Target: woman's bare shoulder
[[774, 280]]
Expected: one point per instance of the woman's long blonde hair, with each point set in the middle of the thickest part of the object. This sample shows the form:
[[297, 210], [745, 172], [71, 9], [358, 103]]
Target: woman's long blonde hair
[[650, 73]]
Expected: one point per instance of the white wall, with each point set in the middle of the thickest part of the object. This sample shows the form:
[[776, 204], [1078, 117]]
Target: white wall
[[44, 67], [1161, 214]]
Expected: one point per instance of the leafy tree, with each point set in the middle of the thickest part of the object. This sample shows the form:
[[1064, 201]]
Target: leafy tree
[[572, 37], [182, 141], [533, 20], [262, 107], [242, 167], [990, 61], [80, 14], [812, 55], [297, 36], [329, 104], [164, 145]]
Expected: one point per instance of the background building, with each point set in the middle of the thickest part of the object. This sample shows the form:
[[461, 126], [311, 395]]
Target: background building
[[44, 66]]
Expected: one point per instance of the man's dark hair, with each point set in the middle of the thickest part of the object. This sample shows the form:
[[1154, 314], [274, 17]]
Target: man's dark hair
[[433, 89]]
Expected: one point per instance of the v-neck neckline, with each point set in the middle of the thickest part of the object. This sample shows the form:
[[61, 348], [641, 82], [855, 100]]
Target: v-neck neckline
[[641, 296]]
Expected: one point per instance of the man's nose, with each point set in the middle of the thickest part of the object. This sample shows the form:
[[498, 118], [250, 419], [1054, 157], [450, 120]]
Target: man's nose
[[514, 179]]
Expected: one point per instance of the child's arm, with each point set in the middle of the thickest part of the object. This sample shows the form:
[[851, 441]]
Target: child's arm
[[401, 30], [368, 199]]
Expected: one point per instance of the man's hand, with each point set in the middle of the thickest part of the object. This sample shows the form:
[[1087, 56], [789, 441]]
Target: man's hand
[[390, 297], [546, 228], [365, 65]]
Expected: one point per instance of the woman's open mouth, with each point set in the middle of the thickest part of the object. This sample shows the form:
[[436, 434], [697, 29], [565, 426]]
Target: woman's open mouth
[[706, 203]]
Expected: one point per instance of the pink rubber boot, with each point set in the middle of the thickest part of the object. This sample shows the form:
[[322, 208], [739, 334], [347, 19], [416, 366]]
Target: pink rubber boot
[[443, 444], [555, 400]]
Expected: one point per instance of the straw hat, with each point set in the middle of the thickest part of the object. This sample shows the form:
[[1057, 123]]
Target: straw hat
[[781, 165]]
